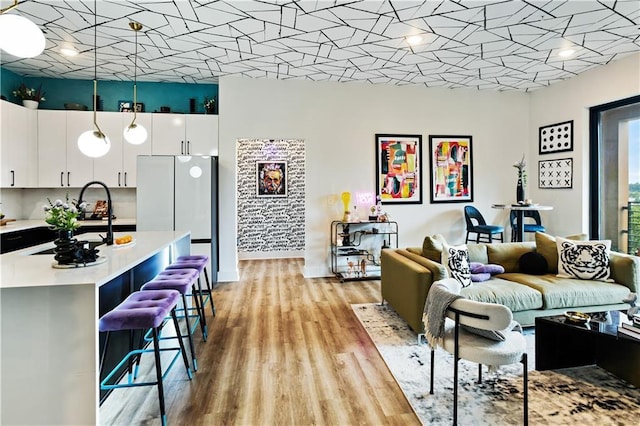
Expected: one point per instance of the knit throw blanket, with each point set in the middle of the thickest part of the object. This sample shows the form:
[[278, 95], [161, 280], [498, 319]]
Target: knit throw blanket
[[438, 300]]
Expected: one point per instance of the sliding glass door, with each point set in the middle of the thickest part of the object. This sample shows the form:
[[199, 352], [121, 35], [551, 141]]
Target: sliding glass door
[[615, 173]]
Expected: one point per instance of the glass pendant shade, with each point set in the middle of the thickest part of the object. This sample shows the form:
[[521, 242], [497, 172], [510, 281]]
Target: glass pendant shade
[[135, 134], [20, 37], [94, 144]]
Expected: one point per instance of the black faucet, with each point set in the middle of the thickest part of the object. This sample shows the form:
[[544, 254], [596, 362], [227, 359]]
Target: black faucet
[[109, 238]]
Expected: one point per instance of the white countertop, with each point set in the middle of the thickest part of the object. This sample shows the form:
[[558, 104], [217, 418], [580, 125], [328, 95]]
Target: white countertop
[[21, 225], [21, 269]]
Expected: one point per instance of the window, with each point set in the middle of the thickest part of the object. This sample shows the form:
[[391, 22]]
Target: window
[[615, 173]]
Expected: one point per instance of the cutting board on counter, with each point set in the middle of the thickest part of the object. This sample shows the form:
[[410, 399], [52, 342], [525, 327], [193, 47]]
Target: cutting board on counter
[[5, 221]]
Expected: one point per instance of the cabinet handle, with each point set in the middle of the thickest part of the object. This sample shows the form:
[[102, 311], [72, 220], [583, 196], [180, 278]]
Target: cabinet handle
[[119, 178], [125, 178], [13, 178], [188, 147], [61, 177], [68, 178], [182, 147]]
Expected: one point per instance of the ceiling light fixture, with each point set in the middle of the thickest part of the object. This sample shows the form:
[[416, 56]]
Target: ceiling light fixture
[[565, 53], [19, 36], [68, 51], [135, 133], [414, 39], [94, 143]]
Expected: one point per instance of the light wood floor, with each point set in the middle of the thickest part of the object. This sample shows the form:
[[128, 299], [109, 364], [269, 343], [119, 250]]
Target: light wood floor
[[282, 350]]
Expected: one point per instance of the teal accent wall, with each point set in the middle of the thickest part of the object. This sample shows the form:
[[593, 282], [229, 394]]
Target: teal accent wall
[[153, 95]]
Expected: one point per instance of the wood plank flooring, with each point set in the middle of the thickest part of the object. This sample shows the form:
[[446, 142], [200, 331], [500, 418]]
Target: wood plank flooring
[[282, 350]]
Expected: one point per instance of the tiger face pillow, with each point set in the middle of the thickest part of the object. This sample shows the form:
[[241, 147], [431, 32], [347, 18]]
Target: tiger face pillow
[[586, 260], [456, 260]]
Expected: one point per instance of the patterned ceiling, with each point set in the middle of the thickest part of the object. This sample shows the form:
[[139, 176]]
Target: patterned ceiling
[[487, 45]]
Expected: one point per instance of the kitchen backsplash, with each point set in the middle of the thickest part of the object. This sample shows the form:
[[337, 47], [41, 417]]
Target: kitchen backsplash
[[28, 203]]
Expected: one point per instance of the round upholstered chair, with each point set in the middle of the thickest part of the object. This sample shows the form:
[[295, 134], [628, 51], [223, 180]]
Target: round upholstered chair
[[479, 332]]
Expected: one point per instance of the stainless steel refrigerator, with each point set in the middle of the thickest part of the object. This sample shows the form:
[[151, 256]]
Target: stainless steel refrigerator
[[180, 193]]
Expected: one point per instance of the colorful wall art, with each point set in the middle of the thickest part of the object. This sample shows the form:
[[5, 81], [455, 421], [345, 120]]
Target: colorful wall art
[[451, 169], [399, 168]]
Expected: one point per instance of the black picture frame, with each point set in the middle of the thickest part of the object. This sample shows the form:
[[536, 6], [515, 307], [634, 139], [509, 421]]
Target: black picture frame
[[399, 168], [555, 138], [451, 175]]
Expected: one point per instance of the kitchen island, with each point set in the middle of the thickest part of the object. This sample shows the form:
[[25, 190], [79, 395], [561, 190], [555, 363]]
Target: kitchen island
[[49, 340]]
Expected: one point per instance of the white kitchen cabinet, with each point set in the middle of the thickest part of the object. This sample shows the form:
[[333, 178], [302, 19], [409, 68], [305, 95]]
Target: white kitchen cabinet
[[60, 162], [118, 167], [202, 134], [185, 134], [18, 141]]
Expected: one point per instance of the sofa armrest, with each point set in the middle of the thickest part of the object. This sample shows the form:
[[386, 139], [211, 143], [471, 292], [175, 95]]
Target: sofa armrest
[[404, 285], [625, 270]]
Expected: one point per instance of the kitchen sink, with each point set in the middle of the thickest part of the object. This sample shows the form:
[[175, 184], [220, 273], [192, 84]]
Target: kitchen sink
[[89, 244]]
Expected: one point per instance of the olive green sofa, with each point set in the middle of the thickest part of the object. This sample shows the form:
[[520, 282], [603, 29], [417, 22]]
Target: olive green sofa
[[407, 275]]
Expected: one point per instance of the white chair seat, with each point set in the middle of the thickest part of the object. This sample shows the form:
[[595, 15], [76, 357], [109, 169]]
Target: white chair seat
[[481, 350]]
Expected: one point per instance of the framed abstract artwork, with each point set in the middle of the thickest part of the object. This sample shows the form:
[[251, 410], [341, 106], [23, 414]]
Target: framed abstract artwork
[[451, 169], [271, 178], [555, 138], [555, 174], [399, 168]]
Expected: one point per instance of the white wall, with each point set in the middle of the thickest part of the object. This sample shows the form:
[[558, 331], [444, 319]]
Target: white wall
[[571, 100], [339, 121], [28, 203]]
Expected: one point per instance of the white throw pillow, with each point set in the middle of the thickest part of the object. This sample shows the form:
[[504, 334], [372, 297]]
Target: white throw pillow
[[456, 260], [586, 260]]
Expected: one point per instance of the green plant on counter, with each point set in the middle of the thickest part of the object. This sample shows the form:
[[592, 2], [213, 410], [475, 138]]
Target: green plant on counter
[[29, 94], [62, 216]]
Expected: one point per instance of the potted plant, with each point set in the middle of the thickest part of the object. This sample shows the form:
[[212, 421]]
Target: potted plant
[[209, 104], [62, 216], [30, 97]]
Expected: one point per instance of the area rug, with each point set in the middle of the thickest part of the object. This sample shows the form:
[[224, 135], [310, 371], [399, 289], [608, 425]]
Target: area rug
[[572, 396]]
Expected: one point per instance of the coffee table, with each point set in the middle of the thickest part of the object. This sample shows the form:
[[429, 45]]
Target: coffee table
[[561, 344]]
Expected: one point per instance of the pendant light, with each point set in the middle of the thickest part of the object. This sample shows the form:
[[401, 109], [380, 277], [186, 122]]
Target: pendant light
[[94, 143], [19, 36], [135, 133]]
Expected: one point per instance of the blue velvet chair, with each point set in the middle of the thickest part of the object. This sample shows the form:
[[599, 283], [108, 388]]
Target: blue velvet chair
[[476, 224], [528, 227]]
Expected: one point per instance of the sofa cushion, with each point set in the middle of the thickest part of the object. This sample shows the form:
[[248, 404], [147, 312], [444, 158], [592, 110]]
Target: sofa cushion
[[456, 260], [571, 292], [533, 263], [546, 246], [478, 253], [625, 269], [516, 297], [587, 260], [508, 254], [432, 247]]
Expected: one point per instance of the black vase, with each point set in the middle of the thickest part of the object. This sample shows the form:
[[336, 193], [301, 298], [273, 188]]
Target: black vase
[[66, 247], [520, 191]]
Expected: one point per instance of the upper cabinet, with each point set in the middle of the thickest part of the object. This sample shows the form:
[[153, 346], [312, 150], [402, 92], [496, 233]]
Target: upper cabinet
[[60, 162], [184, 134], [18, 143], [118, 167]]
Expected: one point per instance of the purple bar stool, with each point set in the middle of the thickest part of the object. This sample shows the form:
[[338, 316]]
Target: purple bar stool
[[181, 281], [198, 300], [143, 310], [198, 262]]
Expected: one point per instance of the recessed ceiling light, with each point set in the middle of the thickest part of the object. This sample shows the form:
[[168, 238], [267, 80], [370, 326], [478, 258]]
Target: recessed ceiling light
[[413, 40], [68, 51], [565, 53]]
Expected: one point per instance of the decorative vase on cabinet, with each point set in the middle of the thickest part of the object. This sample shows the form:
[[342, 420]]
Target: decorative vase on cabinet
[[30, 104]]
